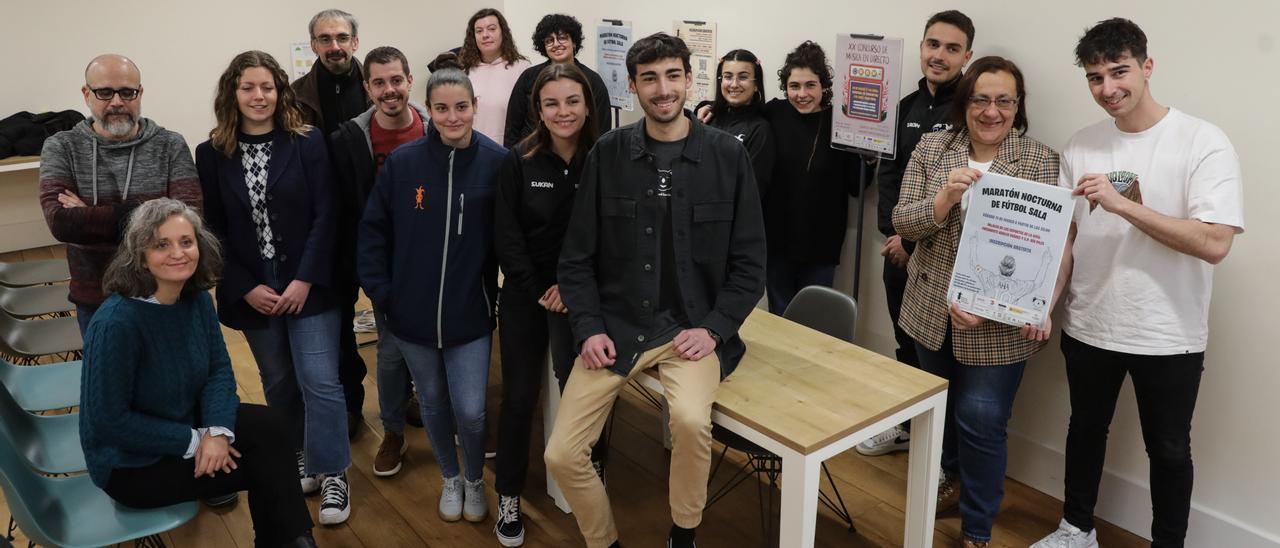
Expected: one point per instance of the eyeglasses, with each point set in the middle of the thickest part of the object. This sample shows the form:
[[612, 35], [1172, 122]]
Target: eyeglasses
[[557, 37], [1002, 103], [731, 78], [326, 40], [105, 94]]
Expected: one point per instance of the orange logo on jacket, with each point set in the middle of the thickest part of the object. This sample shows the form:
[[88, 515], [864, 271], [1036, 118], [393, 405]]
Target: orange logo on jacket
[[417, 200]]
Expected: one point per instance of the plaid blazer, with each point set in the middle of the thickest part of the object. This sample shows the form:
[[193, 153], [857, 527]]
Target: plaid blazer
[[924, 306]]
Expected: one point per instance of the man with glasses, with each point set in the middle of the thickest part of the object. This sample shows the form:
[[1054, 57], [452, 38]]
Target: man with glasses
[[94, 174], [332, 93], [557, 37], [945, 49]]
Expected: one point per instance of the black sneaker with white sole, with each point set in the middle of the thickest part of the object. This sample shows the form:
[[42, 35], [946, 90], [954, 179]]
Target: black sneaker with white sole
[[509, 527], [335, 499]]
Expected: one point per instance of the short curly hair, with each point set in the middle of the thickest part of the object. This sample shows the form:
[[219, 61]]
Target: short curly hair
[[556, 23], [1110, 40], [808, 55]]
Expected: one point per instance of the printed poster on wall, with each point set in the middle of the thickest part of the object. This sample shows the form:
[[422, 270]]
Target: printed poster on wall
[[613, 39], [1014, 235], [300, 59], [868, 71], [700, 36]]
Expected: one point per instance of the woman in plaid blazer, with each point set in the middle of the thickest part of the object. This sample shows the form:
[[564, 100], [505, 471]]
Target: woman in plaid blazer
[[983, 360]]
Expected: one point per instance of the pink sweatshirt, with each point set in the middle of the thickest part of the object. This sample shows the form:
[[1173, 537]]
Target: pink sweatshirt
[[493, 83]]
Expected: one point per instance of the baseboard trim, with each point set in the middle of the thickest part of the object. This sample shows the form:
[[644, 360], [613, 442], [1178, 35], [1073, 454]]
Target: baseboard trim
[[1126, 501]]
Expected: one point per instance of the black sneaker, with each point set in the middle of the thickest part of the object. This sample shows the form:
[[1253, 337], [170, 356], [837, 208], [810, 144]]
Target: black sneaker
[[335, 500], [509, 527], [222, 500], [680, 537]]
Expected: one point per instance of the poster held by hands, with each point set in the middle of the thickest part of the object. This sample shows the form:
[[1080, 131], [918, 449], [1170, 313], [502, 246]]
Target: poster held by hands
[[1015, 232]]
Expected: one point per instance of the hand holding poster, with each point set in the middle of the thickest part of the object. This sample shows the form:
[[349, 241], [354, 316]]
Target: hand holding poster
[[1014, 234]]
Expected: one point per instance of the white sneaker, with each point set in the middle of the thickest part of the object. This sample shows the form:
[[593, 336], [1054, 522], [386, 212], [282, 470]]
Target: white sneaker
[[1068, 536], [475, 507], [450, 508], [310, 484], [335, 504], [889, 441]]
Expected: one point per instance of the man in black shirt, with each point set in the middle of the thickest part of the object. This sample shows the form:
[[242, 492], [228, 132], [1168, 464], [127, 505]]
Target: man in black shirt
[[663, 261], [945, 49], [332, 93]]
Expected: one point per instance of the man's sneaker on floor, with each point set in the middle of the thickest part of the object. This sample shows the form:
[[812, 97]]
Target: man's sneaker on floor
[[475, 507], [335, 500], [310, 483], [450, 508], [390, 455], [948, 492], [509, 527], [598, 466], [222, 500], [890, 441], [1069, 536], [680, 537]]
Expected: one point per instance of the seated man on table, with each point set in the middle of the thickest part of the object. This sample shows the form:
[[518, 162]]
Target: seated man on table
[[663, 261]]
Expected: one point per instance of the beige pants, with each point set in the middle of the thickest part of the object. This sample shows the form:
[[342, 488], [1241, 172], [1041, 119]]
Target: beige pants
[[690, 390]]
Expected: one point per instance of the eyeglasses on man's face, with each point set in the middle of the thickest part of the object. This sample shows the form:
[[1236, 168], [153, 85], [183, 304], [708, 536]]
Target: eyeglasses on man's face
[[105, 94], [327, 40]]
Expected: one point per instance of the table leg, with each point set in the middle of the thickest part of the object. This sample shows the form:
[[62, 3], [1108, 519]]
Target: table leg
[[922, 473], [799, 500], [551, 403]]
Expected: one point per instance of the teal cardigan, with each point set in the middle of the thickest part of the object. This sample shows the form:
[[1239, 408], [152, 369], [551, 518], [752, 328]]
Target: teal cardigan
[[152, 373]]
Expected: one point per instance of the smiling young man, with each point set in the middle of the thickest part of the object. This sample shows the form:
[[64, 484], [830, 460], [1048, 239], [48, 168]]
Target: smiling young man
[[558, 37], [1162, 203], [358, 149], [945, 49], [662, 262]]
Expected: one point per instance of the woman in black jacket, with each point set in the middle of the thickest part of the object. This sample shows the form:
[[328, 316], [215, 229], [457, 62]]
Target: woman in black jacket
[[268, 196], [739, 110], [536, 189], [806, 204]]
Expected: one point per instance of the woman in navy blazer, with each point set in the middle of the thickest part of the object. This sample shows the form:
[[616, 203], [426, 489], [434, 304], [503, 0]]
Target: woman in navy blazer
[[266, 176]]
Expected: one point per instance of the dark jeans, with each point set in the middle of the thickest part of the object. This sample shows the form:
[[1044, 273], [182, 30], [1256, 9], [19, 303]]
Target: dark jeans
[[351, 367], [1165, 388], [975, 437], [785, 278], [267, 469], [84, 313], [526, 329], [895, 285]]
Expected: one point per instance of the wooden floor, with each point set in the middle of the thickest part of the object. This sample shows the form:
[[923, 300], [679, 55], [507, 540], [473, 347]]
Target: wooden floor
[[400, 511]]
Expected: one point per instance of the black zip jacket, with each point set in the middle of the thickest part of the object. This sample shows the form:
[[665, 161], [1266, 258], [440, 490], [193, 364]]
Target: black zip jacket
[[918, 113], [806, 208], [531, 215], [749, 125], [607, 275], [520, 120]]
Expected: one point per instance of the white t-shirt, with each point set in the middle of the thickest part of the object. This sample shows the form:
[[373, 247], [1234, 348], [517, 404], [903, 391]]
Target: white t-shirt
[[1128, 292]]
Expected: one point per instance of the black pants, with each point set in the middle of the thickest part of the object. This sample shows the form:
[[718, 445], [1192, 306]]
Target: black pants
[[895, 285], [1165, 388], [351, 367], [267, 469], [526, 330]]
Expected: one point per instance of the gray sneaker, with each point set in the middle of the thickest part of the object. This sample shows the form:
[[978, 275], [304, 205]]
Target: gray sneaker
[[451, 499], [1069, 536], [475, 507]]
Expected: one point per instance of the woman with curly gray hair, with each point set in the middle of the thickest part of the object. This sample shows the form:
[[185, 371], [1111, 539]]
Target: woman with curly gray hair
[[160, 422]]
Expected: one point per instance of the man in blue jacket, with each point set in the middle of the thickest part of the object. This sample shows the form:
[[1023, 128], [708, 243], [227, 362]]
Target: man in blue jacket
[[663, 261]]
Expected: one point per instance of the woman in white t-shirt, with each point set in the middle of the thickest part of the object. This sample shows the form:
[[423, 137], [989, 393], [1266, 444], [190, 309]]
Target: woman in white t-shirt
[[982, 359], [493, 63]]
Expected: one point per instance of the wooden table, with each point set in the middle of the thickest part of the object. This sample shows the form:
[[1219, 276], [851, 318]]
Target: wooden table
[[807, 397]]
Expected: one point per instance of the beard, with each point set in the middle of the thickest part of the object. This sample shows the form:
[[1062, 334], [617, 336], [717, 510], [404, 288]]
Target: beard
[[117, 123], [337, 64]]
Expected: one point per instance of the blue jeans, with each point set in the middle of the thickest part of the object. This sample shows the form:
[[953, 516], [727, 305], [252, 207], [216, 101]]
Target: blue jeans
[[298, 360], [393, 379], [784, 279], [975, 438], [452, 383], [84, 313]]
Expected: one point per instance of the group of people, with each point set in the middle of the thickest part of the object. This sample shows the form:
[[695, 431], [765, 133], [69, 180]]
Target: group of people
[[641, 247]]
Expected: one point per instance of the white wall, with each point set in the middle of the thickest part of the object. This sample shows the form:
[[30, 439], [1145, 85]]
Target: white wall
[[1213, 60], [182, 47]]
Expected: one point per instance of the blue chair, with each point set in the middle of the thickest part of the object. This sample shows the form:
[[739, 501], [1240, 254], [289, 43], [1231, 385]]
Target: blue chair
[[50, 445], [71, 511], [42, 387]]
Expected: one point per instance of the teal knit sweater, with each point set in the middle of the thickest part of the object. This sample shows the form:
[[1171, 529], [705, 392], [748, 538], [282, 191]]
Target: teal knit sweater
[[152, 372]]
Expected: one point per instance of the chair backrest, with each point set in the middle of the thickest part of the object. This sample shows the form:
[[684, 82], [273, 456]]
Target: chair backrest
[[25, 492], [17, 426], [824, 309]]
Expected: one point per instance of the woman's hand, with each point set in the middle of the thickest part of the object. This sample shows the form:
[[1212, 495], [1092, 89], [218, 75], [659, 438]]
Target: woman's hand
[[1033, 333], [551, 300], [958, 181], [293, 298], [704, 114], [963, 320], [213, 455], [263, 299]]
